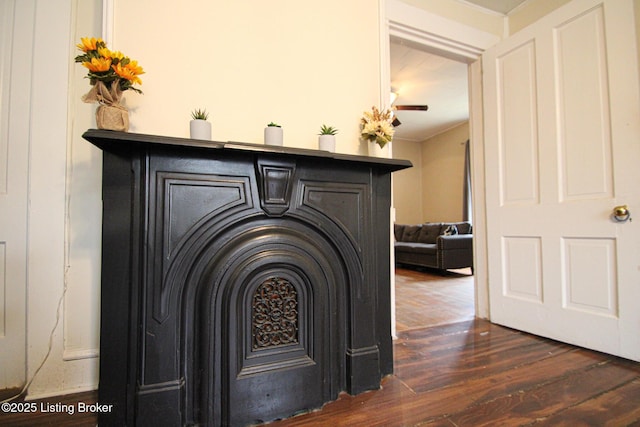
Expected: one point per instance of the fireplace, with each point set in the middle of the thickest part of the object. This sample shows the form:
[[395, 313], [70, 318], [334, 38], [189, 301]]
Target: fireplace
[[241, 283]]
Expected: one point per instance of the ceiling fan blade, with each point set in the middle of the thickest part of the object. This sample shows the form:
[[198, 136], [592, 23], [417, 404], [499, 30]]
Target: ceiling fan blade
[[412, 107]]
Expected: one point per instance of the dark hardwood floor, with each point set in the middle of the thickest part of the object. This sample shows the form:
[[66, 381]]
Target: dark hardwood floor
[[426, 298], [454, 370], [68, 410], [473, 373]]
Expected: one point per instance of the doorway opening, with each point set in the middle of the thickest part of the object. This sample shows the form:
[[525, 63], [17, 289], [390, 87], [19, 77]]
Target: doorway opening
[[437, 188]]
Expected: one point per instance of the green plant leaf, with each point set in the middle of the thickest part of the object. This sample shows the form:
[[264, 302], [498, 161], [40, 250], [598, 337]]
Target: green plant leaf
[[199, 114], [328, 130]]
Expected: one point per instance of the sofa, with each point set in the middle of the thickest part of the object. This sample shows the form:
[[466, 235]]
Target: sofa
[[440, 245]]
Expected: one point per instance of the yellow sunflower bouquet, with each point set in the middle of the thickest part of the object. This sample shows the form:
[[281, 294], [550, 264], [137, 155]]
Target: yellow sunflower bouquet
[[110, 74]]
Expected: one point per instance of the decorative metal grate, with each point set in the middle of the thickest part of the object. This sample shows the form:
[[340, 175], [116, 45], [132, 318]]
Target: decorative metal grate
[[274, 316]]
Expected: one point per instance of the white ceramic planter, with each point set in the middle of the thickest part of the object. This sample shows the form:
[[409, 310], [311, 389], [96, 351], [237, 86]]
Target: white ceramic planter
[[200, 129], [327, 143], [273, 135], [376, 151]]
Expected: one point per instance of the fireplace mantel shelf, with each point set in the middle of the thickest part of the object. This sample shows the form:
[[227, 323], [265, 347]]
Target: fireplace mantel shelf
[[241, 283], [107, 139]]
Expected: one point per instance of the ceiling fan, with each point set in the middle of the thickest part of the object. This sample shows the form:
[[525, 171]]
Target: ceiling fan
[[394, 96], [397, 122]]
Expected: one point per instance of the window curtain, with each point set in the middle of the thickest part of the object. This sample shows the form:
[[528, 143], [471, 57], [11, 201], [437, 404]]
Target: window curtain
[[467, 214]]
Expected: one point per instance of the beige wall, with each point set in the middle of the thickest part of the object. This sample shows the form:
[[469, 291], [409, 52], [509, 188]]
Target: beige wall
[[252, 62], [407, 184], [433, 189], [531, 11], [443, 173]]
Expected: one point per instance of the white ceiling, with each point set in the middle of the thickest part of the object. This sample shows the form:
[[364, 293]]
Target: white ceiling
[[421, 78], [424, 78]]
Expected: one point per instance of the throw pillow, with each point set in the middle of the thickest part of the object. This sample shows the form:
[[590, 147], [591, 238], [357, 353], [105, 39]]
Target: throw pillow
[[451, 230], [463, 227]]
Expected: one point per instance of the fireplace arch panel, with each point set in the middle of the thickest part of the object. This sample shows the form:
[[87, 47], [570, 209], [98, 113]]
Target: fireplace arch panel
[[237, 384]]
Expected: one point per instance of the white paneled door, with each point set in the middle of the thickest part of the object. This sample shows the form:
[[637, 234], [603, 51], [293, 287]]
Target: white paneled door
[[562, 139], [16, 38]]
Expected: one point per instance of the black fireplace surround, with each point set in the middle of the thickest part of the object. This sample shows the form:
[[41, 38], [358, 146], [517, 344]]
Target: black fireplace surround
[[241, 283]]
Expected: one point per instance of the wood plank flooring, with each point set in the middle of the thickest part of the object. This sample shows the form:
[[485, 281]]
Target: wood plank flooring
[[454, 370], [474, 373], [427, 298], [54, 411]]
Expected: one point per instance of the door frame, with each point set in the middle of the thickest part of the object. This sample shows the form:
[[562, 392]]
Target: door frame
[[426, 31]]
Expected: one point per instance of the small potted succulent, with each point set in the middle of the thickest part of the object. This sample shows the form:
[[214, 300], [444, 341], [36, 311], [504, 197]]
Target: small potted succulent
[[273, 134], [199, 127], [327, 138]]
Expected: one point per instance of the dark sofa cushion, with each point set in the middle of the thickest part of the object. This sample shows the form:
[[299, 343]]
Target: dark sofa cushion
[[410, 233], [429, 232], [416, 248], [397, 231]]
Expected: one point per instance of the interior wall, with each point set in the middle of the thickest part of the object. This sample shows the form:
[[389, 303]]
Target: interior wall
[[47, 140], [432, 189], [491, 22], [83, 204], [636, 13], [61, 328], [407, 183], [443, 175], [463, 13], [64, 236], [530, 12], [249, 63]]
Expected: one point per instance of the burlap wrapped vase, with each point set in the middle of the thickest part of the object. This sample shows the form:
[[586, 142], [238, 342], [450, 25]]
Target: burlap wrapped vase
[[112, 118], [110, 114]]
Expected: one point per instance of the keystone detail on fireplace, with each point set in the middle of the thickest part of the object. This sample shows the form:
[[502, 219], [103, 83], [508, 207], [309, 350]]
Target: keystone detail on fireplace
[[241, 283]]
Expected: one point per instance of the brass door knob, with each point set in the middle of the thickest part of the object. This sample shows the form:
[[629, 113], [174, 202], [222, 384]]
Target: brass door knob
[[621, 213]]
